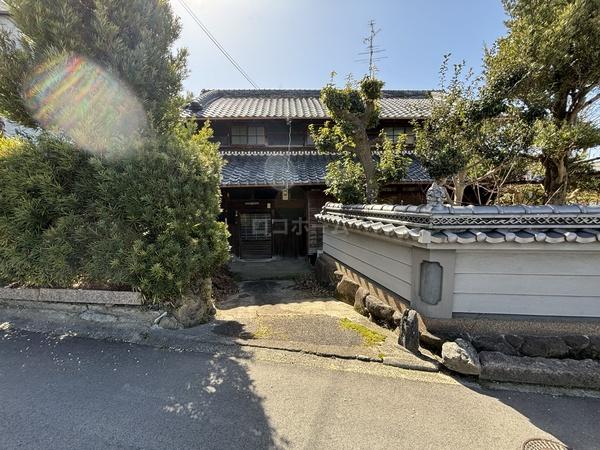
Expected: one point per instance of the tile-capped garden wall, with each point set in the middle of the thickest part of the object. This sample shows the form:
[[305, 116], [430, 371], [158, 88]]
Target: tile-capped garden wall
[[483, 260]]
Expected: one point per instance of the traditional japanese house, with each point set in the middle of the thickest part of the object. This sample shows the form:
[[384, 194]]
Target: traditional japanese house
[[273, 180]]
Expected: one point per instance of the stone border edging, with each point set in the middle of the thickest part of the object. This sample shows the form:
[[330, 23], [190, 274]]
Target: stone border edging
[[46, 295], [496, 366]]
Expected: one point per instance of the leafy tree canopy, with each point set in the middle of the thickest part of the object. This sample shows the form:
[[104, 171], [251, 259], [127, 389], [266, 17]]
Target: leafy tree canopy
[[460, 147], [133, 39], [548, 68], [363, 163]]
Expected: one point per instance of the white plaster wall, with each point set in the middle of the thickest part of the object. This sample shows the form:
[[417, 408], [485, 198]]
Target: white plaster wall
[[7, 24], [561, 280], [547, 282], [383, 261]]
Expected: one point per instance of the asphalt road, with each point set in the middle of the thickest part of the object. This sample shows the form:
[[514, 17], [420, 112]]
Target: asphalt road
[[72, 393]]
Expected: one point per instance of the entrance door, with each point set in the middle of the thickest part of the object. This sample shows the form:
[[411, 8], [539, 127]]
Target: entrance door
[[255, 235]]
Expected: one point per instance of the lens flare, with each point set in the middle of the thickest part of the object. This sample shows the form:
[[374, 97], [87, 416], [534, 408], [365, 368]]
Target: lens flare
[[74, 95], [281, 170]]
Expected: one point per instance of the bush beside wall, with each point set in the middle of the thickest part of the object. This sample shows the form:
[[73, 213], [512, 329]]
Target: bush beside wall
[[145, 221]]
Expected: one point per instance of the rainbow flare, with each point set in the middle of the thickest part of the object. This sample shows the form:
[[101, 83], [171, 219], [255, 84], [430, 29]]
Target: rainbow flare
[[81, 99]]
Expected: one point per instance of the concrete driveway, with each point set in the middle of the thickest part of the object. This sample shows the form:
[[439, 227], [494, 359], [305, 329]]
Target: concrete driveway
[[277, 313]]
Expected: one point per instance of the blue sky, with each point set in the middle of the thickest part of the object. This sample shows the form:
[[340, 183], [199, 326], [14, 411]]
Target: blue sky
[[296, 44]]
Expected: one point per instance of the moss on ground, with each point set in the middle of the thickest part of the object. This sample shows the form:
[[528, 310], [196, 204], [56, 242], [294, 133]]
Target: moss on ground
[[369, 336], [262, 332]]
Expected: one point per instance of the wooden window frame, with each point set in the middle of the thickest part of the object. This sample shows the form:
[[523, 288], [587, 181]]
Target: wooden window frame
[[396, 131], [248, 135]]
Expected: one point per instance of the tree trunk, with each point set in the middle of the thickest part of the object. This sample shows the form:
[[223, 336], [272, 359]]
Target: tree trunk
[[459, 187], [196, 307], [363, 151], [372, 189], [556, 180]]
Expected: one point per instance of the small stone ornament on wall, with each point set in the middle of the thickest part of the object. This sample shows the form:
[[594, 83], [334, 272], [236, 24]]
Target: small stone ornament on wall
[[436, 195]]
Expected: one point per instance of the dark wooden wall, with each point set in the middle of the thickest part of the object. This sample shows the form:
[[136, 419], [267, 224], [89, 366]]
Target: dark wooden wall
[[295, 232]]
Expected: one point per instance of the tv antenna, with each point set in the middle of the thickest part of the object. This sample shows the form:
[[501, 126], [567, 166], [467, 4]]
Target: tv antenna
[[372, 51]]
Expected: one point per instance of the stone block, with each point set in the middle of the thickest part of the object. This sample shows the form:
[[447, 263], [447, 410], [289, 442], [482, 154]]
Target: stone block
[[431, 342], [19, 294], [545, 346], [577, 344], [409, 331], [346, 290], [325, 271], [572, 373], [169, 323], [515, 341], [460, 356], [359, 301], [378, 310], [593, 349], [90, 296], [495, 343], [196, 308]]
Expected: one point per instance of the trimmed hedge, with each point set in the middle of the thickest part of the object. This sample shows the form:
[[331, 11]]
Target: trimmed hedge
[[147, 221]]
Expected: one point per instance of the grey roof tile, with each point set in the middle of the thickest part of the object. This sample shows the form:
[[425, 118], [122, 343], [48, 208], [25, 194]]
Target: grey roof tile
[[259, 168], [508, 224], [274, 170], [298, 104]]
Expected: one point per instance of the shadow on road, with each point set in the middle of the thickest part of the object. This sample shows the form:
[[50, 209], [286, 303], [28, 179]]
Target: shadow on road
[[572, 420], [80, 393]]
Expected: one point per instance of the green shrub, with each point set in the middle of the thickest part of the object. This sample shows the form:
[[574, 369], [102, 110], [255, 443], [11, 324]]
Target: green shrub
[[146, 221], [154, 224], [346, 181], [40, 211]]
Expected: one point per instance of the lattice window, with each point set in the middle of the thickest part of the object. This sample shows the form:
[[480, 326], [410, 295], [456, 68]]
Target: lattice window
[[394, 133], [242, 135]]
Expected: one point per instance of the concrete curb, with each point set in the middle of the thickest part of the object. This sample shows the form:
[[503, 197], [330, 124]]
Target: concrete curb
[[136, 326], [182, 340], [72, 296]]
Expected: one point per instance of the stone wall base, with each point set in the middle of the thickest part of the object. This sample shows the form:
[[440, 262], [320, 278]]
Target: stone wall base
[[86, 296], [480, 324], [67, 312]]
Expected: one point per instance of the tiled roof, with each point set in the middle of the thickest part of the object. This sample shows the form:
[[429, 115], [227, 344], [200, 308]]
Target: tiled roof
[[264, 168], [277, 169], [445, 224], [298, 104]]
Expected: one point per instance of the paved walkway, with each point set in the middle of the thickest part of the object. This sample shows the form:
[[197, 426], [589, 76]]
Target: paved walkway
[[278, 314], [270, 269]]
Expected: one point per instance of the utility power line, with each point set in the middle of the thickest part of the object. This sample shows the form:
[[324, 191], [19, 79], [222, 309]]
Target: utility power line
[[218, 44]]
